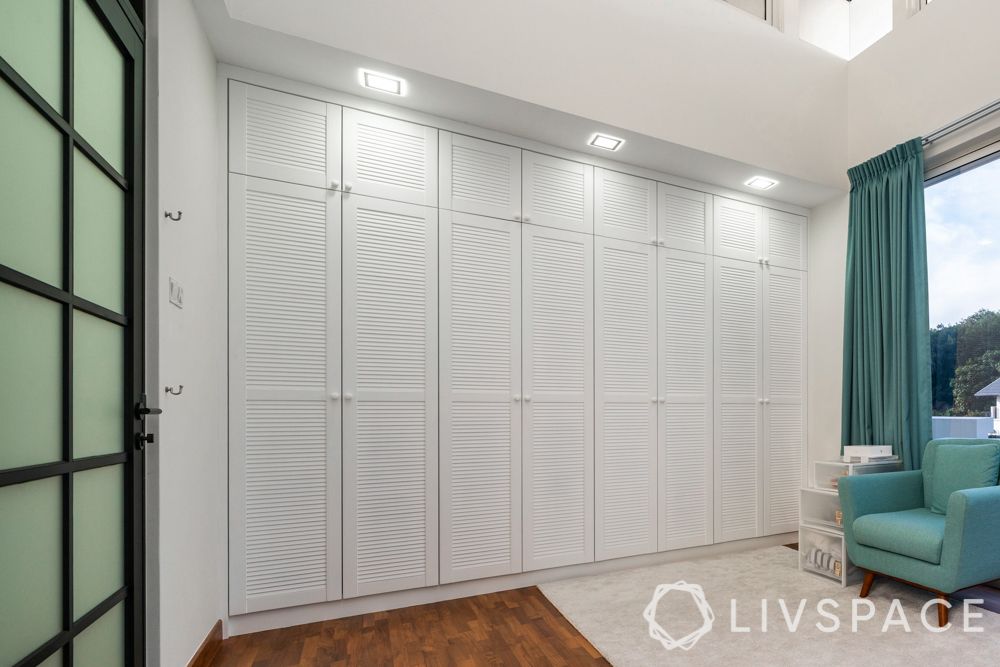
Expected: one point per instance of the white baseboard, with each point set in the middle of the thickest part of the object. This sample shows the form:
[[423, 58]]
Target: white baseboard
[[283, 618]]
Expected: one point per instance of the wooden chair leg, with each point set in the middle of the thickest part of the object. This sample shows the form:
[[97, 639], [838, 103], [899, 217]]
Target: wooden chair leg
[[866, 585], [942, 611]]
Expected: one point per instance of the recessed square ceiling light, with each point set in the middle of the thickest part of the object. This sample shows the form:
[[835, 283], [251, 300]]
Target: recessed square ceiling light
[[761, 183], [383, 83], [606, 141]]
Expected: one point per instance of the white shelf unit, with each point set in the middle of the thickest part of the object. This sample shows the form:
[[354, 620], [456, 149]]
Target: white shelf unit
[[821, 523], [826, 473]]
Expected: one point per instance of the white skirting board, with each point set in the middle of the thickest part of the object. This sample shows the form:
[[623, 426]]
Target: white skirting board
[[283, 618]]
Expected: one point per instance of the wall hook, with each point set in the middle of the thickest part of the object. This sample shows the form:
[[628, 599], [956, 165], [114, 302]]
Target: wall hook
[[170, 216], [170, 390]]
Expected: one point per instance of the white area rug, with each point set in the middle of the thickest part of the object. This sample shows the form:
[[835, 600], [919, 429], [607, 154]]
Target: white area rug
[[608, 610]]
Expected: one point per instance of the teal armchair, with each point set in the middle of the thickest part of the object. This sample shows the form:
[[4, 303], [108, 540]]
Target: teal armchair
[[937, 528]]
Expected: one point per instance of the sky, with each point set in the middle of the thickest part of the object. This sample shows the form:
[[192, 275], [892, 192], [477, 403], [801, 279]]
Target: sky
[[963, 244]]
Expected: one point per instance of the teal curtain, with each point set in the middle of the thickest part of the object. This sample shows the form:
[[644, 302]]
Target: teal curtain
[[887, 367]]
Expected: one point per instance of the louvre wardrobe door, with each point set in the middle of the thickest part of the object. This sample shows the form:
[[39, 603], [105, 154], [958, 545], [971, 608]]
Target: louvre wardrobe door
[[284, 370], [785, 239], [557, 193], [481, 177], [624, 206], [480, 397], [686, 461], [739, 230], [283, 137], [784, 396], [739, 398], [558, 339], [626, 401], [685, 218], [390, 396], [389, 158]]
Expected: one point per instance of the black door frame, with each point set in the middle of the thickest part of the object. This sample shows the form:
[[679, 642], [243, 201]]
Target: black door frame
[[123, 21]]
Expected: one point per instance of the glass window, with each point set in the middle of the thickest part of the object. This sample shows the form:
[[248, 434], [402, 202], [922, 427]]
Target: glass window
[[963, 262]]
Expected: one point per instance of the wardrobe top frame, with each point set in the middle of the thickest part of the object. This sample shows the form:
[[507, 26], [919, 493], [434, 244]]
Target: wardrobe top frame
[[227, 73]]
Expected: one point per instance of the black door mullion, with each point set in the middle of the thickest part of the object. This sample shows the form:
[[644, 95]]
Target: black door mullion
[[67, 348]]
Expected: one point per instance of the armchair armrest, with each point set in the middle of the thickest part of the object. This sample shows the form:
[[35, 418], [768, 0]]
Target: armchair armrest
[[880, 492], [972, 536]]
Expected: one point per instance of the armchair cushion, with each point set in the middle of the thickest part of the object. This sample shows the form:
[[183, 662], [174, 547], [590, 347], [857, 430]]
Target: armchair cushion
[[917, 533], [959, 467]]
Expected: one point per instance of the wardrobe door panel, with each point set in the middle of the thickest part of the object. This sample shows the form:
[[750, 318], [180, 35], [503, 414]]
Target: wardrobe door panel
[[739, 232], [624, 206], [480, 397], [558, 383], [738, 399], [784, 396], [480, 177], [389, 158], [785, 239], [626, 401], [284, 373], [558, 193], [283, 137], [686, 461], [685, 218], [390, 396]]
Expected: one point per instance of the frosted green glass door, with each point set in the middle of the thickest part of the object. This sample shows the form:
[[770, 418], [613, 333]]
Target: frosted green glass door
[[71, 471]]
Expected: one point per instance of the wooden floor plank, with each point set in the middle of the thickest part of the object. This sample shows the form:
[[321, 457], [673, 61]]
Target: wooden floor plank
[[517, 627]]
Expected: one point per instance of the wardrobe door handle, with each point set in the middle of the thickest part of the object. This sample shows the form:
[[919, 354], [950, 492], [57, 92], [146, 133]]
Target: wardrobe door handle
[[348, 397], [335, 396], [527, 398], [517, 397], [663, 399], [334, 184], [652, 399], [527, 218]]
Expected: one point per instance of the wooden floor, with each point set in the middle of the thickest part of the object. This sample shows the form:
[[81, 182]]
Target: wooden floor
[[518, 627]]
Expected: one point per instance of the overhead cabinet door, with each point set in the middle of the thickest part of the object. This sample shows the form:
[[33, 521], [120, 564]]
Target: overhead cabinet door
[[480, 177], [685, 219], [558, 397], [686, 461], [558, 193], [738, 399], [624, 206], [284, 388], [625, 437], [739, 230], [283, 137], [390, 396], [784, 239], [480, 397], [784, 396], [389, 158]]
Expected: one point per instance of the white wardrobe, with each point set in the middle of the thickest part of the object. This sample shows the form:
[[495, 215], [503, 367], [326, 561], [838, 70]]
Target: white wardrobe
[[452, 358]]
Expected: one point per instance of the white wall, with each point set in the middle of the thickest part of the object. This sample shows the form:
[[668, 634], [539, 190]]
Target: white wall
[[937, 66], [827, 258], [188, 464], [699, 73], [932, 69]]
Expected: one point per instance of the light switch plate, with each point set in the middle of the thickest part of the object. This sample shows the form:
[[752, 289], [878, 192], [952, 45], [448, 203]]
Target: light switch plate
[[176, 293]]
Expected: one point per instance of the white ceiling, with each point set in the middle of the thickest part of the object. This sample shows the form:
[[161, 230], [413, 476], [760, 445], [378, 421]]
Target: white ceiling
[[241, 43]]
